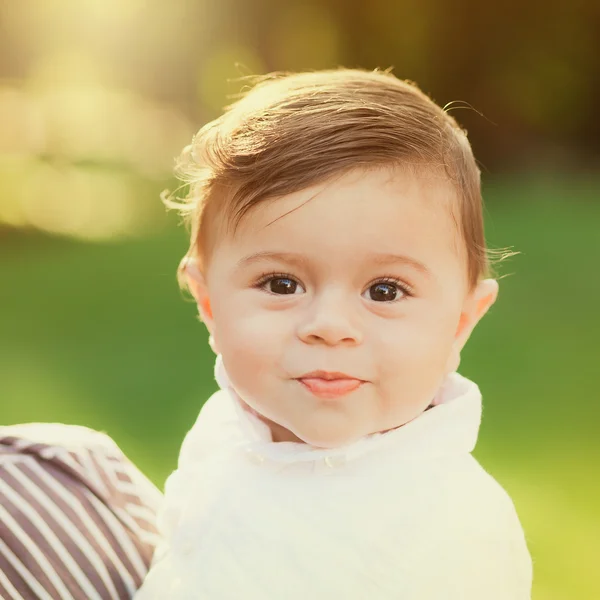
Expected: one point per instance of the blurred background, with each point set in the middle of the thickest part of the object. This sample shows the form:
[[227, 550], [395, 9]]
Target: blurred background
[[97, 97]]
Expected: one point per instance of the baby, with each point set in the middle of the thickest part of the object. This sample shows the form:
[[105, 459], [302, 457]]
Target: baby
[[338, 261]]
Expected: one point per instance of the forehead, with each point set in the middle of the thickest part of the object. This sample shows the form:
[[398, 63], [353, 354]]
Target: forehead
[[359, 212]]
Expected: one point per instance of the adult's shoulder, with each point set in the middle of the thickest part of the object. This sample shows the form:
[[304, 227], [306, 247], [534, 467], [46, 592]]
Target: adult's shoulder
[[85, 455], [77, 517]]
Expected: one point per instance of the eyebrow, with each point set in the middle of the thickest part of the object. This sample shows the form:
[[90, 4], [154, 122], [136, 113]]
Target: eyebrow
[[303, 261]]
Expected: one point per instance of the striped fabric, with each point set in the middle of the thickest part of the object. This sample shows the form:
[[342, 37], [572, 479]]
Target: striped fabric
[[77, 519]]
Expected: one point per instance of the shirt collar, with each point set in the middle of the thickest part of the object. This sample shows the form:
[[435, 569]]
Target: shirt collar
[[450, 426]]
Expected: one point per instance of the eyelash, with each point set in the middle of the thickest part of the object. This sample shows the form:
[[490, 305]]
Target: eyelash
[[389, 279]]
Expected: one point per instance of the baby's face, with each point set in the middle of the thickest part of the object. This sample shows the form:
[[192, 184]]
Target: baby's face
[[368, 279]]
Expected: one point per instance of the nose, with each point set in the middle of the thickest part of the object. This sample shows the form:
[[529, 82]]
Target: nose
[[332, 320]]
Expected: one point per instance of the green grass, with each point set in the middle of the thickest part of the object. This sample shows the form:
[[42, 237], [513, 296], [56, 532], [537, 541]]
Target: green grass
[[100, 335]]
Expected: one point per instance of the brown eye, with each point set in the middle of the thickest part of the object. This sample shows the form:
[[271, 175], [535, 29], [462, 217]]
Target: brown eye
[[383, 292], [282, 285]]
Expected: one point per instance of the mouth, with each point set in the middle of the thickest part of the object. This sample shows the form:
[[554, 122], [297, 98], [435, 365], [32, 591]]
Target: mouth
[[326, 384], [327, 375]]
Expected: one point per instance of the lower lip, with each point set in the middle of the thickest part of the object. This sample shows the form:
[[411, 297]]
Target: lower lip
[[330, 388]]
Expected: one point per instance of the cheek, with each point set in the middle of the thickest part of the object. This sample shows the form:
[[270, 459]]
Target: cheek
[[412, 366], [250, 340], [251, 331], [418, 336], [415, 349]]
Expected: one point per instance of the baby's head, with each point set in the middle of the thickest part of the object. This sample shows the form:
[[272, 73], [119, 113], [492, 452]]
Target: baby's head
[[336, 222]]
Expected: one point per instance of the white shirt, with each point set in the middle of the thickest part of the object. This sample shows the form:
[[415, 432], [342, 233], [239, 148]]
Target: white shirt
[[407, 514]]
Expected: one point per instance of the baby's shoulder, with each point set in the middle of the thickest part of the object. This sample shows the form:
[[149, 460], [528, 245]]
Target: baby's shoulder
[[477, 501], [451, 493], [215, 425]]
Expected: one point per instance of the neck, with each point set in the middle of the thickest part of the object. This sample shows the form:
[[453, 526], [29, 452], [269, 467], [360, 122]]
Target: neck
[[280, 434]]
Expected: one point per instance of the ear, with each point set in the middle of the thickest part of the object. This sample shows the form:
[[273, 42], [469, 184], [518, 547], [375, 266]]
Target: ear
[[197, 285], [475, 306]]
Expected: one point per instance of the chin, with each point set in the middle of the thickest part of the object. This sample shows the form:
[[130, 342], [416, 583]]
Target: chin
[[330, 442]]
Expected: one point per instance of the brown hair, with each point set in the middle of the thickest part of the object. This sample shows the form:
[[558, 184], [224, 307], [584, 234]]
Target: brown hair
[[291, 131]]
